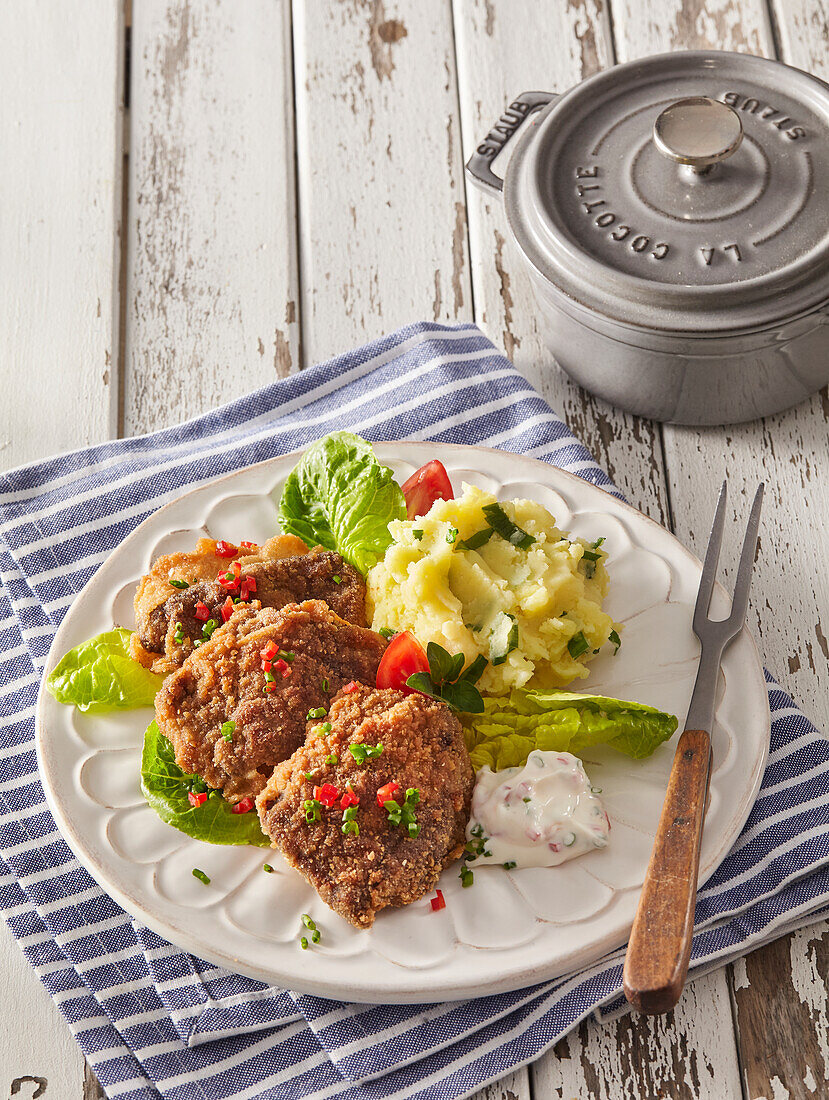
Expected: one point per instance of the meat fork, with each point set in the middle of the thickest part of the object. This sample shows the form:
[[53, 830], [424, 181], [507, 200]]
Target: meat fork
[[659, 949]]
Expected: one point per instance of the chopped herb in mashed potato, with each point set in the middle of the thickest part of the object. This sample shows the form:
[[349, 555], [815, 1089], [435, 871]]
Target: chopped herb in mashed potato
[[499, 580]]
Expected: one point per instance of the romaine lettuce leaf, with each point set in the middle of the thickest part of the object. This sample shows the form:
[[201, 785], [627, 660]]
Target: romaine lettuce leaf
[[340, 497], [100, 675], [561, 721], [166, 787]]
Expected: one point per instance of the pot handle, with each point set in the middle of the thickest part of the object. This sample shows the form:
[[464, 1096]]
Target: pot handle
[[479, 165]]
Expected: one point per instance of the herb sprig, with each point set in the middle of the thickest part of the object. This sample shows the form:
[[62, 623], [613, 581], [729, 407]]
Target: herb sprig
[[448, 681]]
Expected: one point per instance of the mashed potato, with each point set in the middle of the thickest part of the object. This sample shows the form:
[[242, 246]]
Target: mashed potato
[[519, 608]]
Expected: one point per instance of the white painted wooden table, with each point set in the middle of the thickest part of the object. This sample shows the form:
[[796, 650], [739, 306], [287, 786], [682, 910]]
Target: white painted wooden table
[[199, 195]]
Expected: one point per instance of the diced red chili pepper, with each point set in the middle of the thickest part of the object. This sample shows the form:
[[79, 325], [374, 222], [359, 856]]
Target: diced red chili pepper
[[267, 665], [197, 799], [230, 579], [227, 609], [283, 667], [268, 652], [327, 794], [226, 549], [247, 586], [243, 806], [202, 612], [249, 545], [438, 901], [350, 687], [387, 792], [349, 799]]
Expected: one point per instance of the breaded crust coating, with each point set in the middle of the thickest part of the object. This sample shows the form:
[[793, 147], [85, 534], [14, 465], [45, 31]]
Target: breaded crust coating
[[282, 569], [423, 748], [224, 681]]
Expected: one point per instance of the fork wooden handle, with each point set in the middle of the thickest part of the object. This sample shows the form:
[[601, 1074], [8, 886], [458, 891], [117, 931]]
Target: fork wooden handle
[[656, 963]]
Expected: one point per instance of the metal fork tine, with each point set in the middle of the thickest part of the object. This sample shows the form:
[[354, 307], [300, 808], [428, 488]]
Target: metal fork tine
[[712, 557], [739, 602]]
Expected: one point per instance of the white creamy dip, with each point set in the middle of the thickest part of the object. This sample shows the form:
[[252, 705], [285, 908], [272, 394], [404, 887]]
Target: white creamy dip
[[536, 816]]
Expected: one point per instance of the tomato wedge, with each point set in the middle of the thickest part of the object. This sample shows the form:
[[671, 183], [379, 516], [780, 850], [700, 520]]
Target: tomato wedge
[[425, 486], [404, 655]]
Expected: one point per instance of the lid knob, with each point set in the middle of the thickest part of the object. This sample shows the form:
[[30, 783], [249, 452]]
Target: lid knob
[[698, 132]]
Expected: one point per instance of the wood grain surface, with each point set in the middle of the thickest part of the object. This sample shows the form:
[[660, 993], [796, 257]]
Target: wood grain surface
[[61, 108], [656, 962], [295, 186]]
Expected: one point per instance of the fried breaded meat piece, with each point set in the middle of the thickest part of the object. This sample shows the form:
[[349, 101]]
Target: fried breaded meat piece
[[358, 873], [224, 681], [171, 619]]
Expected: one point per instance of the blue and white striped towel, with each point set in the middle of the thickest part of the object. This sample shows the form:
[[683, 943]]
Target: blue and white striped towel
[[153, 1020]]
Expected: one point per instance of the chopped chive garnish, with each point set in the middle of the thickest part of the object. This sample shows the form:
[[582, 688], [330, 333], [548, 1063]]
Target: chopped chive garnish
[[502, 525], [361, 752], [227, 730], [312, 809], [526, 800], [577, 645], [176, 583], [466, 876], [387, 631], [324, 684], [270, 678], [326, 727], [266, 867], [404, 814], [349, 823], [303, 943], [285, 655], [209, 627], [417, 533], [337, 579], [332, 759], [315, 936], [476, 541], [178, 637], [306, 920], [201, 876], [317, 712], [508, 866], [598, 542], [451, 534], [613, 636]]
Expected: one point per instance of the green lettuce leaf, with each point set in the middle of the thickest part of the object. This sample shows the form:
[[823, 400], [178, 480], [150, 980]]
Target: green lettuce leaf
[[340, 497], [100, 675], [561, 721], [166, 787]]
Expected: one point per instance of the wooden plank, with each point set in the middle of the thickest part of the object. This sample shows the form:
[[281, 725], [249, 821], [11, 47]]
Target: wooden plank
[[212, 272], [640, 1058], [782, 998], [781, 991], [61, 133], [382, 220], [503, 49], [60, 126], [506, 47]]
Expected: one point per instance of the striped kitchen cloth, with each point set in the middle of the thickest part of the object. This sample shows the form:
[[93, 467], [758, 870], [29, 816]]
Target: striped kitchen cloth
[[153, 1020]]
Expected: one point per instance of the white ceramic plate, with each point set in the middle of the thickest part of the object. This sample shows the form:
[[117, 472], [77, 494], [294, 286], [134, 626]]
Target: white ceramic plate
[[510, 929]]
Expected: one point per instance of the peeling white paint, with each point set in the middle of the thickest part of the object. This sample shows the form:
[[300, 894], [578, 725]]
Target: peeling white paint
[[740, 975]]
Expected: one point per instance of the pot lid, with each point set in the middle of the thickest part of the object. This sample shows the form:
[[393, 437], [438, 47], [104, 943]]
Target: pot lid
[[685, 191]]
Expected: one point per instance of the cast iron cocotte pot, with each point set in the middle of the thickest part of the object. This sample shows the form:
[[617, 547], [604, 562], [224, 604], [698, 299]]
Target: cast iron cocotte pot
[[673, 216]]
